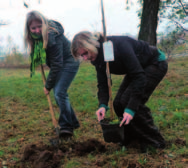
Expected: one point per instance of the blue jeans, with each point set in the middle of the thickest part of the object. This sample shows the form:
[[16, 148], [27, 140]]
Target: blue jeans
[[67, 118]]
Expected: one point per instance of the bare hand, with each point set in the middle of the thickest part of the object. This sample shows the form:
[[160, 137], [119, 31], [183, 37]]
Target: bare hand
[[126, 119], [46, 92], [100, 113]]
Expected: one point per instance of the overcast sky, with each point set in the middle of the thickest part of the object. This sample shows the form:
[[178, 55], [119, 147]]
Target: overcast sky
[[74, 15]]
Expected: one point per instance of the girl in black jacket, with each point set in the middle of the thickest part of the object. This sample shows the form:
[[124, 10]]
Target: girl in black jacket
[[49, 45], [144, 67]]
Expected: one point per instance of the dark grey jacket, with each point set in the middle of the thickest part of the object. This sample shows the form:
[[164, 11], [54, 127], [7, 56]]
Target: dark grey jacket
[[58, 50], [131, 56]]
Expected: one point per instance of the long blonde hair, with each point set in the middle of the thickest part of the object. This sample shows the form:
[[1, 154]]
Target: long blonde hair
[[86, 40], [46, 27]]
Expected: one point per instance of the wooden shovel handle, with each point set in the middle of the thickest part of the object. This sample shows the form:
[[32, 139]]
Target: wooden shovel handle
[[49, 100]]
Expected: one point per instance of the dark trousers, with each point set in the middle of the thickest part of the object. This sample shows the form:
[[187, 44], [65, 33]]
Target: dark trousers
[[142, 126]]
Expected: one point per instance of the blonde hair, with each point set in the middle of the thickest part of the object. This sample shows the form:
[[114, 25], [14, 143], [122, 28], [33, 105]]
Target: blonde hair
[[46, 27], [86, 40]]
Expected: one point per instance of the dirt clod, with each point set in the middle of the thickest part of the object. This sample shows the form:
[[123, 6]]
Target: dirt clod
[[180, 142], [88, 146], [42, 156]]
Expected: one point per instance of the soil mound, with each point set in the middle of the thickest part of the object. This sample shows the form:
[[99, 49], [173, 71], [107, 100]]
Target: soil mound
[[42, 156]]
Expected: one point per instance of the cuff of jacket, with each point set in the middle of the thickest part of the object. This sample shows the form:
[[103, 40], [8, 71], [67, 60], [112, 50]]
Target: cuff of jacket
[[48, 88], [129, 111], [105, 106], [161, 56]]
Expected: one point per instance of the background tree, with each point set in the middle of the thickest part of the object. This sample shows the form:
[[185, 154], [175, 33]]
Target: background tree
[[152, 12], [169, 41], [149, 21], [3, 23]]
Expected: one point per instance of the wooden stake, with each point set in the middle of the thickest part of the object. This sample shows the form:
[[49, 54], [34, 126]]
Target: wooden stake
[[107, 65]]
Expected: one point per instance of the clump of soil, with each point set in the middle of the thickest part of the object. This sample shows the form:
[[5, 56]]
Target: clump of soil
[[177, 141], [42, 156], [84, 148], [180, 142]]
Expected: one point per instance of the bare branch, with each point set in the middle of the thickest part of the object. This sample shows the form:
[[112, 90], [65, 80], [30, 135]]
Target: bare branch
[[179, 25], [26, 5], [183, 7]]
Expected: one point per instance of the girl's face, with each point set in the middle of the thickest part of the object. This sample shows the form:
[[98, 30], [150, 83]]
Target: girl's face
[[86, 54], [36, 27]]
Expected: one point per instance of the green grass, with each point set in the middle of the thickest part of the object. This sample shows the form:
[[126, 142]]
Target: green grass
[[25, 117]]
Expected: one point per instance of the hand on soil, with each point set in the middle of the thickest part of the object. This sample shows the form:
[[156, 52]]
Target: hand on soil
[[126, 119], [100, 113]]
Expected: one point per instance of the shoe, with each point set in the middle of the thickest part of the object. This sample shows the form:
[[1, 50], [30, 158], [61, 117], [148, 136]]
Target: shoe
[[65, 134], [162, 145], [120, 144], [76, 127]]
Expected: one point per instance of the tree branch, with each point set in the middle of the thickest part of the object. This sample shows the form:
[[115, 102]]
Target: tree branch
[[183, 7], [179, 25], [176, 22]]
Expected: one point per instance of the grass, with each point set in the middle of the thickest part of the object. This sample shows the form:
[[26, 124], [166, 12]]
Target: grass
[[25, 118]]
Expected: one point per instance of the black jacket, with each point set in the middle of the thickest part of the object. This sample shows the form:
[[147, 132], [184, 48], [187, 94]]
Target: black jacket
[[130, 57], [58, 50]]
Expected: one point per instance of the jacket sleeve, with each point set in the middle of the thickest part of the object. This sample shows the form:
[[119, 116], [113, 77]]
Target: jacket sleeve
[[103, 93], [136, 75], [55, 60]]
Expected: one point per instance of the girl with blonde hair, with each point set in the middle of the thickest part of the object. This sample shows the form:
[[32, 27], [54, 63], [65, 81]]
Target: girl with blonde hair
[[48, 44], [144, 67]]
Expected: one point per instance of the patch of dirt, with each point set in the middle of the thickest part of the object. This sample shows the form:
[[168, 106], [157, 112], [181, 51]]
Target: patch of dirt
[[83, 148], [180, 142], [177, 142], [43, 156]]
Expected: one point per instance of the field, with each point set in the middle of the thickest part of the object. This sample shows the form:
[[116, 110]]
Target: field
[[26, 126]]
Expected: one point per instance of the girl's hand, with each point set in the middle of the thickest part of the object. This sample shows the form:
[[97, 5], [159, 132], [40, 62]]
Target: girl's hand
[[100, 113], [126, 119], [46, 92]]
